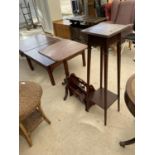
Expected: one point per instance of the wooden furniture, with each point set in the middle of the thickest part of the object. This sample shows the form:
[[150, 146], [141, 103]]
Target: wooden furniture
[[77, 87], [71, 28], [129, 97], [31, 46], [104, 34], [63, 51], [91, 8], [87, 21], [81, 22], [30, 111], [62, 28]]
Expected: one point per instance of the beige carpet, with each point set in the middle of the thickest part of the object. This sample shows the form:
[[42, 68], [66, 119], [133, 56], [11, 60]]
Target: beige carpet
[[74, 131]]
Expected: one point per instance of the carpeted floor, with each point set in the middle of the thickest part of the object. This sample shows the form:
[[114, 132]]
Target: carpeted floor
[[73, 131]]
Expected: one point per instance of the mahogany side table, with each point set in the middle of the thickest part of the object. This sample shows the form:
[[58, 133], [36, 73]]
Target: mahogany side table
[[103, 35], [63, 51], [31, 46]]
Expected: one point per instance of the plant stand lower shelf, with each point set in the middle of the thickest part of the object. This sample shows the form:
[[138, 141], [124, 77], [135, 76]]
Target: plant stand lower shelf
[[97, 97]]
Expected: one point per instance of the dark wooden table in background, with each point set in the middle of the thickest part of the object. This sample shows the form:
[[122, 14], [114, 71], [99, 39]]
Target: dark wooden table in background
[[103, 35], [31, 47]]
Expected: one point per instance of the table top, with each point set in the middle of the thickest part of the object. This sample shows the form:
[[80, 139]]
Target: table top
[[87, 19], [35, 41], [34, 54], [63, 49], [105, 30], [31, 46]]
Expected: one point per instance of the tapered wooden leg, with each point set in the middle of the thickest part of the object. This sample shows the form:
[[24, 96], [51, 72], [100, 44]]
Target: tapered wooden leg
[[88, 73], [43, 115], [66, 68], [101, 65], [29, 63], [105, 81], [66, 72], [83, 58], [50, 75], [25, 134], [118, 71], [88, 63]]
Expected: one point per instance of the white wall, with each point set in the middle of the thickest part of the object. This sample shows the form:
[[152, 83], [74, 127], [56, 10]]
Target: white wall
[[55, 11]]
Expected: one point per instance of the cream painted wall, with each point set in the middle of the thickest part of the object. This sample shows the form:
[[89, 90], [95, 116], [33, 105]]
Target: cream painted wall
[[55, 10], [48, 11]]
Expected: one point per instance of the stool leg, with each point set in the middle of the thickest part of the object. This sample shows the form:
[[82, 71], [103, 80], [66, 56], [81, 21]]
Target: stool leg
[[43, 115], [26, 134]]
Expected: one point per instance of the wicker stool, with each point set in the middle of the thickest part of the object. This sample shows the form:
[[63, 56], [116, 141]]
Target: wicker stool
[[30, 112]]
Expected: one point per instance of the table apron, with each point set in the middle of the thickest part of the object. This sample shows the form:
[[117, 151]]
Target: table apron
[[100, 41]]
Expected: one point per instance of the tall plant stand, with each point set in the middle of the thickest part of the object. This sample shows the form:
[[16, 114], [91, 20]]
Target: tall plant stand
[[103, 35]]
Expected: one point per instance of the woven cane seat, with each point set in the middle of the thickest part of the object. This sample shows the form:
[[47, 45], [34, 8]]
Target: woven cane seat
[[29, 98]]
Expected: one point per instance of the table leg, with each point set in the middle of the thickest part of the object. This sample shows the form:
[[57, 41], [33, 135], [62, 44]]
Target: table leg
[[83, 58], [118, 71], [29, 63], [21, 53], [50, 75], [105, 80], [66, 72], [101, 65], [128, 142], [88, 63], [66, 68]]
